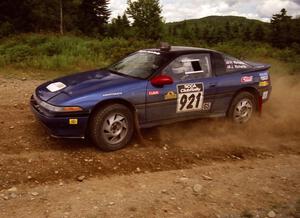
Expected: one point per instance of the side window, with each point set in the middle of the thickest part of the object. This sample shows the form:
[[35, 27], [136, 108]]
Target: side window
[[191, 66], [234, 65]]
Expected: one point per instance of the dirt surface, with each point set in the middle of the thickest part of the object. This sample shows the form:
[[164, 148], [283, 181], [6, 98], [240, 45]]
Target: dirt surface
[[202, 168]]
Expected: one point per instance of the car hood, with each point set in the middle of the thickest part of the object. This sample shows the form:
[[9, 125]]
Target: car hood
[[82, 83]]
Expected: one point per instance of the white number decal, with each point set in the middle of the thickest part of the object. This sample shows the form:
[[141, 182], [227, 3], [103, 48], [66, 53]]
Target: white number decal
[[190, 97]]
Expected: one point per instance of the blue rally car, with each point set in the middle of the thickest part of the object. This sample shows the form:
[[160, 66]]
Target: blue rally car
[[151, 87]]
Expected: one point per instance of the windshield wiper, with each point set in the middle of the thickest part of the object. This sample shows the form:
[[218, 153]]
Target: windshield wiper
[[114, 71], [123, 74]]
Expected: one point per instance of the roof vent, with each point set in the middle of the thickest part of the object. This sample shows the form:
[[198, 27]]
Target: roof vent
[[164, 46]]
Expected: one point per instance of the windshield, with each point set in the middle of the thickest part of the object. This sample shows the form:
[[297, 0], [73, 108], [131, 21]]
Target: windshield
[[140, 64]]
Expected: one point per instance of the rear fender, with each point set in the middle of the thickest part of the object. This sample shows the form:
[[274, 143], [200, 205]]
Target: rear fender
[[254, 92]]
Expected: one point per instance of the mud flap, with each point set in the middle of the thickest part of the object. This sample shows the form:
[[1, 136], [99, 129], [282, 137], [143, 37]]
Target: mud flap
[[138, 129], [259, 106], [138, 133]]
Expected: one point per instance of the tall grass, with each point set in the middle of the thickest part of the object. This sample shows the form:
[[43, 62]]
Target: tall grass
[[42, 56], [53, 52]]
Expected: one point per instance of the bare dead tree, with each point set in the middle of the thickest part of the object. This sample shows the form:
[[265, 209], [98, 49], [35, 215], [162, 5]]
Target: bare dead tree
[[61, 18]]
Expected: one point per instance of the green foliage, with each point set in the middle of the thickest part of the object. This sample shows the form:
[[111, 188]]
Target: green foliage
[[119, 27], [215, 29], [281, 29], [258, 33], [22, 16], [283, 32], [93, 15], [53, 52], [147, 18], [90, 17], [66, 54], [6, 29]]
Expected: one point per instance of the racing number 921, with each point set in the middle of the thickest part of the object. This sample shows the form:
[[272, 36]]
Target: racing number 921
[[188, 100], [190, 97]]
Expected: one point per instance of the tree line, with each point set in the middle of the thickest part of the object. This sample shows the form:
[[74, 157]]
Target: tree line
[[87, 17], [141, 20], [78, 16], [282, 31]]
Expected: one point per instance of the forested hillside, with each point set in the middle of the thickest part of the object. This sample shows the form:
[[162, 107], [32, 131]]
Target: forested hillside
[[63, 36], [220, 28], [142, 20], [282, 31]]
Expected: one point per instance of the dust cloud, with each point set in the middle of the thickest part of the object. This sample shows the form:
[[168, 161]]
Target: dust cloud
[[277, 127]]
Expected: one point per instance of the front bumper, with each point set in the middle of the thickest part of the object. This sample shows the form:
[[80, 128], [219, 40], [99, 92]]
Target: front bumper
[[59, 126]]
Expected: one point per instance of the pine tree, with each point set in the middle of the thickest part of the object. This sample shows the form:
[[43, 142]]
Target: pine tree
[[119, 27], [94, 14], [281, 29], [147, 18], [259, 33], [228, 31], [125, 21], [185, 30], [205, 34], [197, 32], [247, 33], [235, 30], [174, 31]]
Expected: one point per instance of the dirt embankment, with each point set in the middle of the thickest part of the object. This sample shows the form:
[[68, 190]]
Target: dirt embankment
[[30, 158]]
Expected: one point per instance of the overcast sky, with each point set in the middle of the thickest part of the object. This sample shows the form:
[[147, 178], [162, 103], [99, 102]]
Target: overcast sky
[[177, 10]]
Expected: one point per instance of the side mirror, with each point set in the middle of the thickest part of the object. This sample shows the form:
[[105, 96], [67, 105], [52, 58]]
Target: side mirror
[[161, 80]]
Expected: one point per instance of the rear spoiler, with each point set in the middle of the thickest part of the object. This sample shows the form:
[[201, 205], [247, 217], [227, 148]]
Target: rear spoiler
[[257, 66]]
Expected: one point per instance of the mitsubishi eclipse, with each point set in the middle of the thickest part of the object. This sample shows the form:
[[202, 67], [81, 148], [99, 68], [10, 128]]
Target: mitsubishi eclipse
[[148, 88]]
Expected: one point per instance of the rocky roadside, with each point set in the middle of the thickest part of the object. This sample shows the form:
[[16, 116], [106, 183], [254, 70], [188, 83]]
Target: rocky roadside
[[250, 188]]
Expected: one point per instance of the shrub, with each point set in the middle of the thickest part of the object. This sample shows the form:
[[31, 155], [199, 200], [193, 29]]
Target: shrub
[[18, 53], [69, 53], [6, 29]]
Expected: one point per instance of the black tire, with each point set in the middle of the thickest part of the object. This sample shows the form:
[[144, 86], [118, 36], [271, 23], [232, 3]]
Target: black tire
[[109, 121], [239, 113]]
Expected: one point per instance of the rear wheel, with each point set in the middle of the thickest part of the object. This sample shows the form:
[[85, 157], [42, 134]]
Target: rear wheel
[[112, 127], [242, 107]]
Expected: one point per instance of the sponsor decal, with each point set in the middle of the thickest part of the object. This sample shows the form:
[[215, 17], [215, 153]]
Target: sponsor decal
[[246, 79], [54, 87], [153, 92], [170, 95], [190, 87], [190, 97], [73, 121], [265, 95], [264, 76], [230, 64], [112, 94], [239, 65], [263, 83], [206, 106]]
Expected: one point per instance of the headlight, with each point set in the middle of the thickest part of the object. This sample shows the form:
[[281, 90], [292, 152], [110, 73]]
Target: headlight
[[53, 108], [59, 109]]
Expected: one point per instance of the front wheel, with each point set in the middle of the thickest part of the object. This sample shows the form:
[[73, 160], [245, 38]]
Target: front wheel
[[242, 107], [112, 127]]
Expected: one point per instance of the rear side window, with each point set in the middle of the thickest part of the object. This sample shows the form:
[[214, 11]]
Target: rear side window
[[190, 66], [233, 64]]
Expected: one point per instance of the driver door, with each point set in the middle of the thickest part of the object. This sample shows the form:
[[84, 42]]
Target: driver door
[[190, 94]]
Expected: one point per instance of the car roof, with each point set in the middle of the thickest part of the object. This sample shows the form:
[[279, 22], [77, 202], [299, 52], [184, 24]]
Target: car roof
[[181, 50]]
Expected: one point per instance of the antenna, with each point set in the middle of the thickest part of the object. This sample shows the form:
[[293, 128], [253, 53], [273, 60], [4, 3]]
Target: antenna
[[164, 46]]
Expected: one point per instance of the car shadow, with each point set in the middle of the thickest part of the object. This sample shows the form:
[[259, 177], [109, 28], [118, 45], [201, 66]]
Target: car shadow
[[150, 137]]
